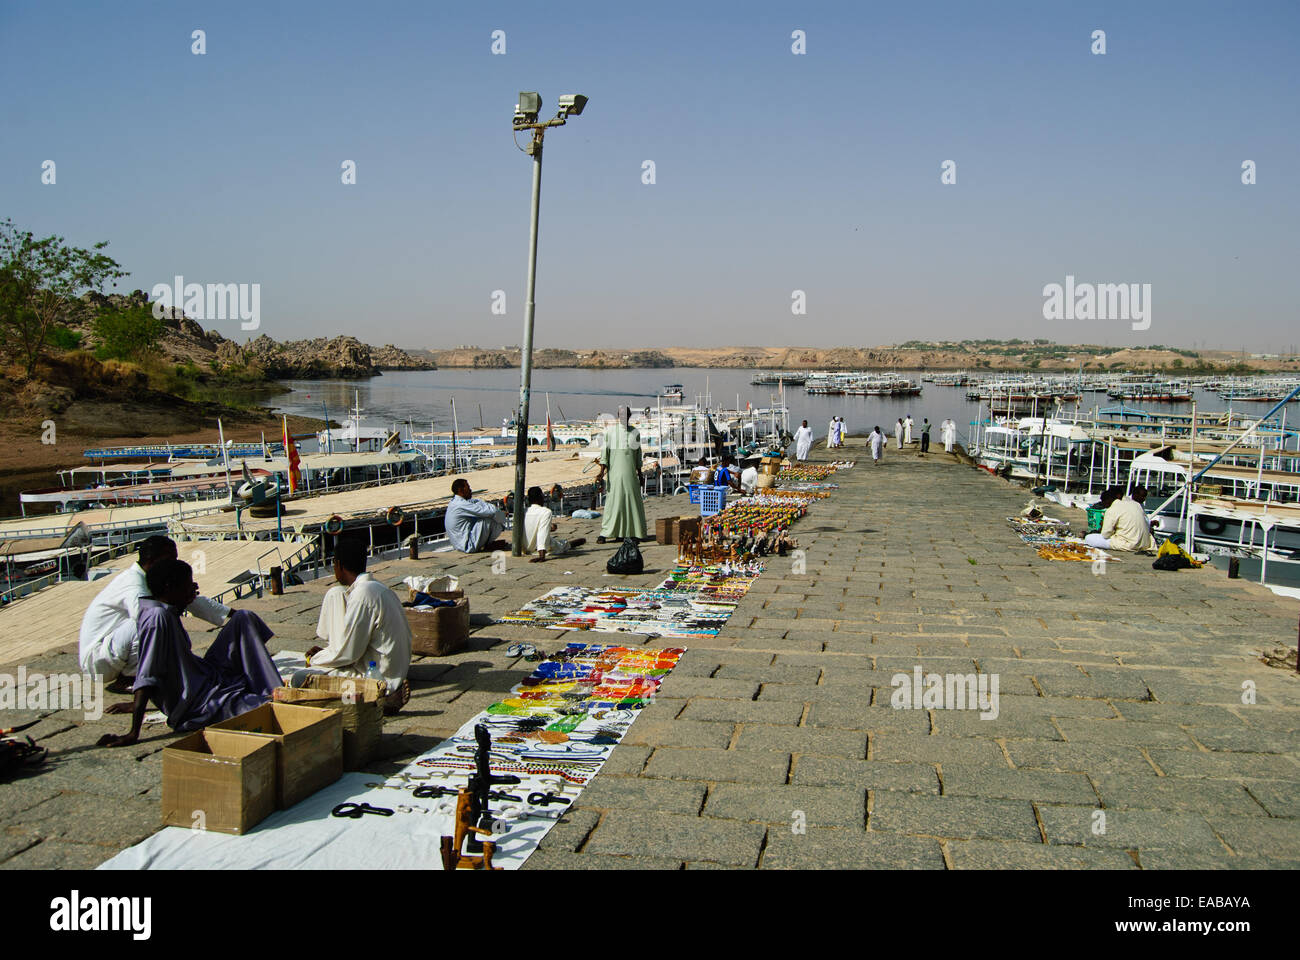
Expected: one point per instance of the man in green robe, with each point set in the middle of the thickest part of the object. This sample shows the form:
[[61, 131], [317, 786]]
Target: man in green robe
[[620, 459]]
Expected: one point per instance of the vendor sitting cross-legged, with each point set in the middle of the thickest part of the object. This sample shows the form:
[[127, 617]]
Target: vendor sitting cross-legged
[[538, 527], [361, 622], [1125, 525], [234, 676]]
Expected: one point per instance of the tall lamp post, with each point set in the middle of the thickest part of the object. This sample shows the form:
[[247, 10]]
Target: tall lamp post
[[526, 112]]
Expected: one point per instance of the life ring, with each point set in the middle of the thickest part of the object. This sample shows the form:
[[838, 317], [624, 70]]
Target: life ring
[[334, 525], [1212, 525], [245, 491], [394, 516]]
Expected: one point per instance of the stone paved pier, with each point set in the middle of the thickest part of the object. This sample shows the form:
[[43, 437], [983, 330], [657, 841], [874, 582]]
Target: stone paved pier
[[1121, 741]]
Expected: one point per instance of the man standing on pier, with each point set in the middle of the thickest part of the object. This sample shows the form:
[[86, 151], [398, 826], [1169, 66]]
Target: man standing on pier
[[473, 524], [877, 441], [898, 433], [620, 459], [925, 436], [803, 442]]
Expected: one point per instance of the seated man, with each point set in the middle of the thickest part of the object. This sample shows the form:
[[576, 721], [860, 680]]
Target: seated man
[[702, 472], [361, 622], [727, 475], [472, 524], [538, 527], [1125, 525], [234, 676], [749, 481], [108, 644]]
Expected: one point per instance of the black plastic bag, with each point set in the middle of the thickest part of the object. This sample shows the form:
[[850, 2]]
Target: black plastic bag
[[627, 559]]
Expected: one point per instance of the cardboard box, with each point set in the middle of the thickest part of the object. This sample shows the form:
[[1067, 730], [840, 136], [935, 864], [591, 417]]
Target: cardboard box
[[308, 746], [670, 529], [442, 630], [226, 779], [360, 700]]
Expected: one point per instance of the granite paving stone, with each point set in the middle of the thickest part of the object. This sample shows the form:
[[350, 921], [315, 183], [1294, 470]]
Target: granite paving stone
[[849, 849], [914, 813]]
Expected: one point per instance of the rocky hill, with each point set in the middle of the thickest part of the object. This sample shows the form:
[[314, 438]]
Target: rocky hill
[[184, 340]]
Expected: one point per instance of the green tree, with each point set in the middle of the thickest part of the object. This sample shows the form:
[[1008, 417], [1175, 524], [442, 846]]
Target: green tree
[[39, 281], [127, 333]]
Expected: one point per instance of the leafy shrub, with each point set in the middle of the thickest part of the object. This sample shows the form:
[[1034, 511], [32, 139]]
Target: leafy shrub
[[127, 333]]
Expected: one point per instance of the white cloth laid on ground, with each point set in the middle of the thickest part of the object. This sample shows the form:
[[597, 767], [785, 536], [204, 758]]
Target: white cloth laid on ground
[[537, 532], [108, 645], [306, 837], [803, 438], [362, 623]]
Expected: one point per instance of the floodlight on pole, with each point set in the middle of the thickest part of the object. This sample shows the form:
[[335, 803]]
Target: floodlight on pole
[[527, 110]]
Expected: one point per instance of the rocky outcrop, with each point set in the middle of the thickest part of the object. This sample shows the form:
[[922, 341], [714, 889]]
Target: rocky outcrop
[[185, 341]]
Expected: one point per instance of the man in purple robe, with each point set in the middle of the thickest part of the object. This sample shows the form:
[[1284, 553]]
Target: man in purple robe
[[234, 676]]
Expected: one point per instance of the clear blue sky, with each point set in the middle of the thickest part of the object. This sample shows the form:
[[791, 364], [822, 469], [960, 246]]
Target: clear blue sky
[[775, 172]]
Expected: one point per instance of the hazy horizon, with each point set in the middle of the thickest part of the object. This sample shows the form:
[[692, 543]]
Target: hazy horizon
[[775, 172]]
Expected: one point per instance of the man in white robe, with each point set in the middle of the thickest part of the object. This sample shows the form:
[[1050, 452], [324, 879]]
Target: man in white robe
[[898, 433], [539, 524], [948, 432], [362, 622], [907, 429], [803, 438], [1125, 525], [830, 433], [108, 645], [877, 441]]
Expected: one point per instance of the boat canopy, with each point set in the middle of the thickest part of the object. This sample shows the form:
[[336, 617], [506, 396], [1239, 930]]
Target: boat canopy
[[1034, 426]]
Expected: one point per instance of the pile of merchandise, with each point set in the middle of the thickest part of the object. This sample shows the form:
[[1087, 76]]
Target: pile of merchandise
[[1053, 540], [797, 491], [804, 472]]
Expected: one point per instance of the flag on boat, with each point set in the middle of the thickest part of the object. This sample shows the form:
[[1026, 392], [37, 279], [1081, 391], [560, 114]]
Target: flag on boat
[[291, 451], [550, 435]]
